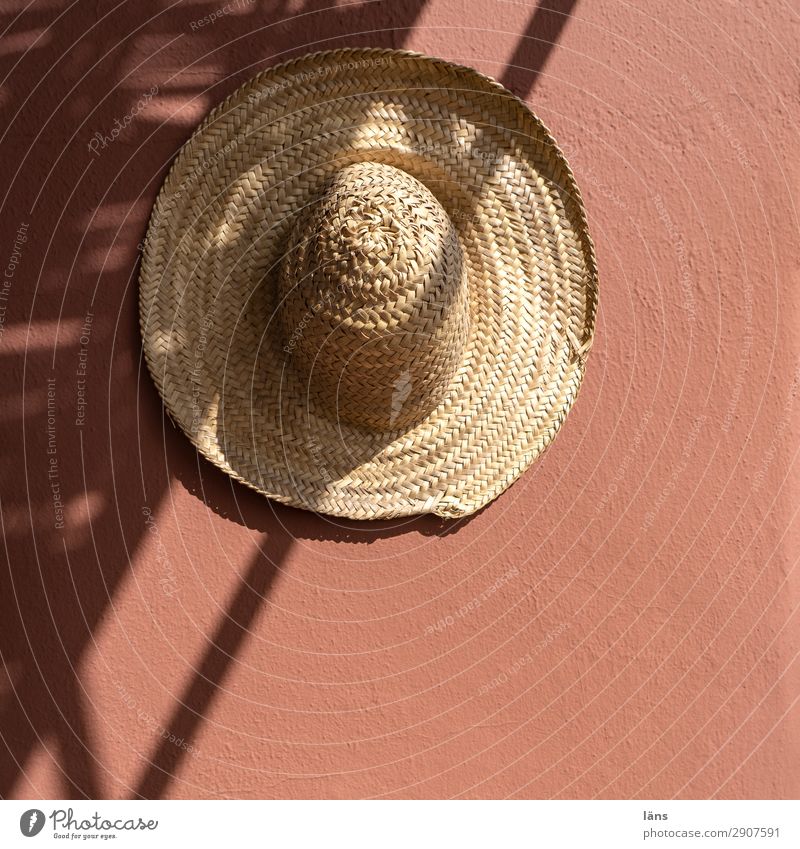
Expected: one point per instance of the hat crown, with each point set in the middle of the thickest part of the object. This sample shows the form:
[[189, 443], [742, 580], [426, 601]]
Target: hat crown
[[373, 297]]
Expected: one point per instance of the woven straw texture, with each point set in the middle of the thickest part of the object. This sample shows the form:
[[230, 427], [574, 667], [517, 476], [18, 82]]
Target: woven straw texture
[[368, 288]]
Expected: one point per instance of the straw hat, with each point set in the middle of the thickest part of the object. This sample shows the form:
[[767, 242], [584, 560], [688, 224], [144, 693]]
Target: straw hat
[[368, 288]]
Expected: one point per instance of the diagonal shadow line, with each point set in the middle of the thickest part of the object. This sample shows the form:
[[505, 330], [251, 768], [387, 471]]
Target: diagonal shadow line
[[214, 667], [536, 44], [221, 653], [398, 20]]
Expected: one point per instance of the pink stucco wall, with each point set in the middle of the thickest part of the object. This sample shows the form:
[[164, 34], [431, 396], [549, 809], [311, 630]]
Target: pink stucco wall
[[622, 622]]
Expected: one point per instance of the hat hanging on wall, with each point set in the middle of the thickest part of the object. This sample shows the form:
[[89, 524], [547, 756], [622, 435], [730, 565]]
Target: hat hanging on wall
[[368, 288]]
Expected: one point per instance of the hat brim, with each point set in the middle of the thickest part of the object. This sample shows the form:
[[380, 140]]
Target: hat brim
[[208, 293]]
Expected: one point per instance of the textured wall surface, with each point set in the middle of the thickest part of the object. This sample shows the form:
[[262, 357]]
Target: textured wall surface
[[621, 623]]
